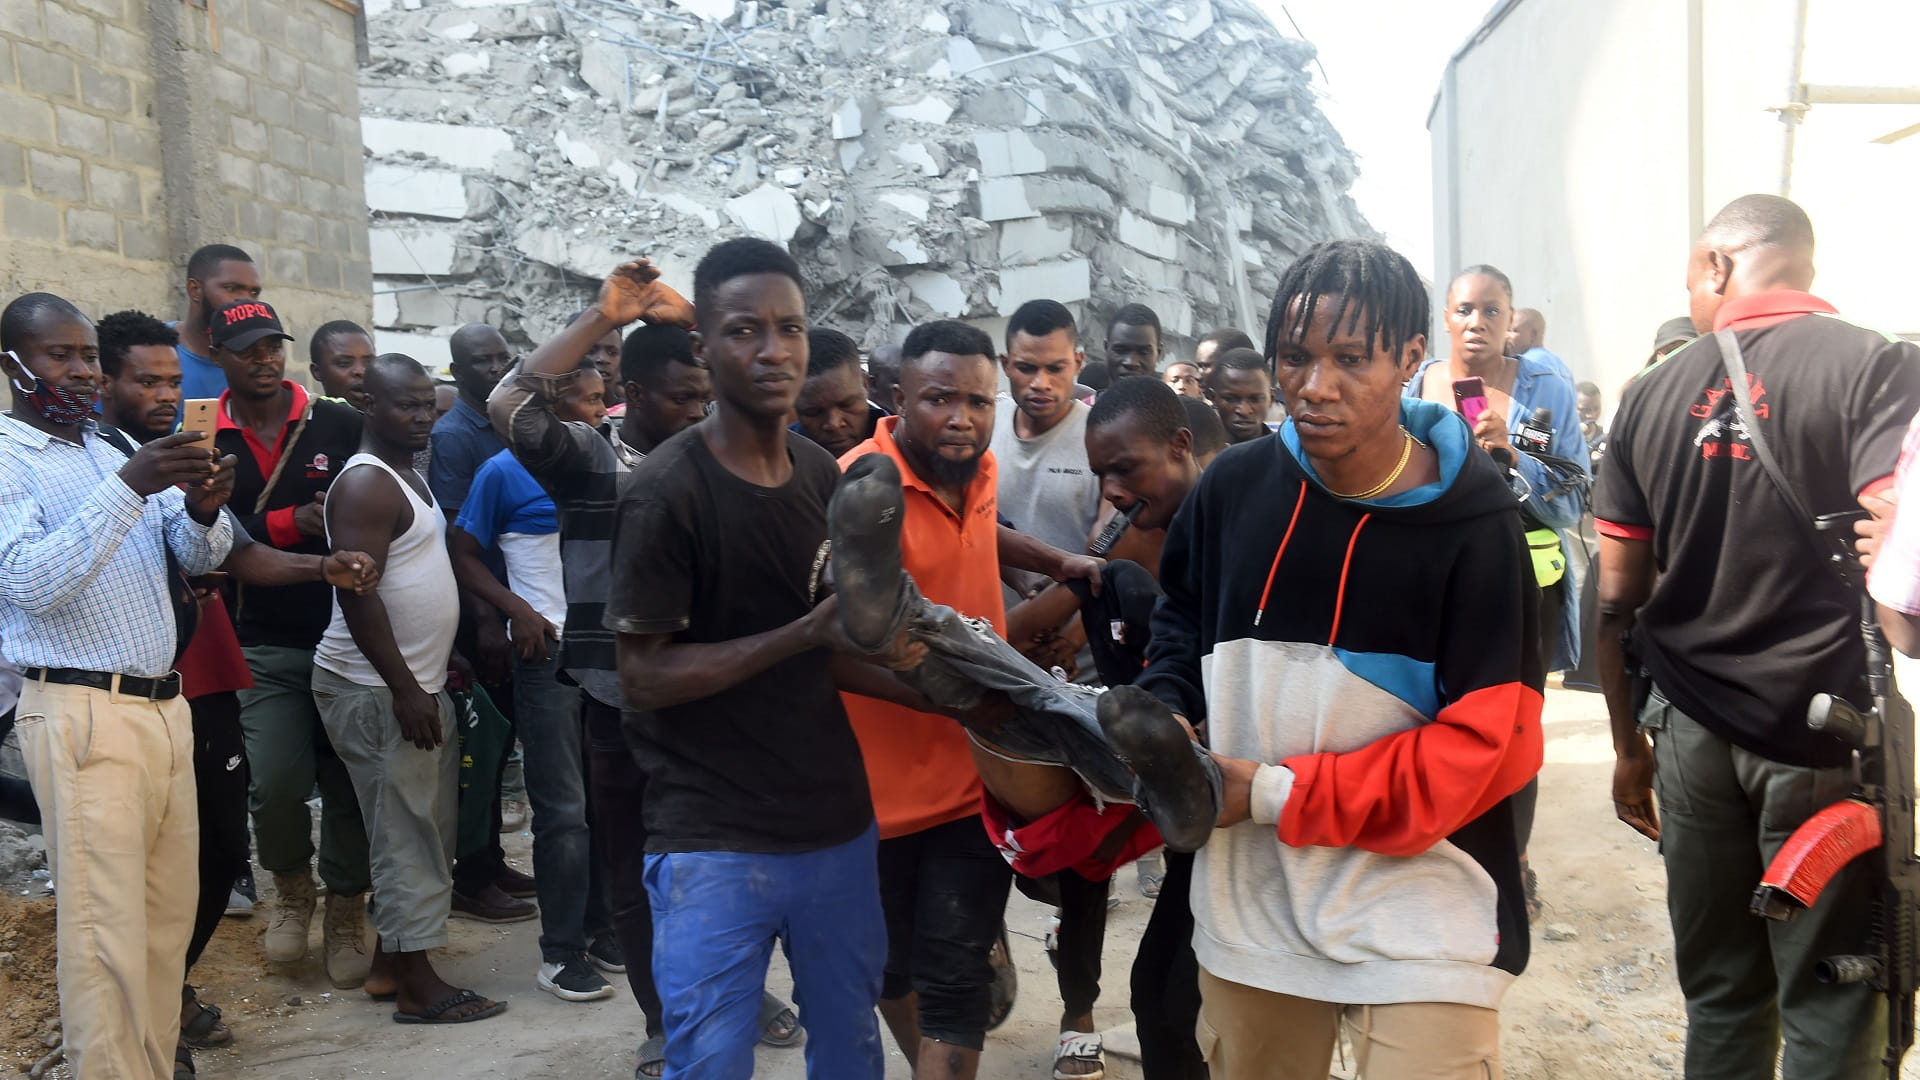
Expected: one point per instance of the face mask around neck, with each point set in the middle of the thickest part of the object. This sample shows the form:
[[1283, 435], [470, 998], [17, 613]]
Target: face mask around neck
[[55, 404]]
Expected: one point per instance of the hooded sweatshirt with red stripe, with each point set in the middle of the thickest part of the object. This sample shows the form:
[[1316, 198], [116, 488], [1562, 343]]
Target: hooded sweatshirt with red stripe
[[1383, 657]]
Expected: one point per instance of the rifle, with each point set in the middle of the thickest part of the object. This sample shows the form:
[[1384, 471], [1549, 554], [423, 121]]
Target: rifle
[[1876, 820]]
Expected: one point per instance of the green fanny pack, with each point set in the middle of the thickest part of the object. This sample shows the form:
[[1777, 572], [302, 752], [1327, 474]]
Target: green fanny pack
[[1549, 562]]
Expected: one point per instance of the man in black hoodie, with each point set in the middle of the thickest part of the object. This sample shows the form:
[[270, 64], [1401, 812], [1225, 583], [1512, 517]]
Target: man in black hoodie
[[1371, 713]]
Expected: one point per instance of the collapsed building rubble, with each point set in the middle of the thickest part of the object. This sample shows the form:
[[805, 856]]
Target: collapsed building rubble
[[920, 159]]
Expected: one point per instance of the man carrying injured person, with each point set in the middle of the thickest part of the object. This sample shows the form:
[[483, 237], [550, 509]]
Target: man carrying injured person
[[1370, 711]]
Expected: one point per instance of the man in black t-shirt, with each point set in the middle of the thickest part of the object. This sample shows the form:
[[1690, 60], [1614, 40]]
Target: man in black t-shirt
[[1739, 624], [759, 823]]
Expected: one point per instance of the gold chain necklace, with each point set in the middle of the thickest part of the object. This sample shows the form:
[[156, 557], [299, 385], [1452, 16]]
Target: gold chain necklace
[[1406, 455]]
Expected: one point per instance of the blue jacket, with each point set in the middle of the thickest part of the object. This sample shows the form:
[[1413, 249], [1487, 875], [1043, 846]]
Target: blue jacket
[[1538, 386]]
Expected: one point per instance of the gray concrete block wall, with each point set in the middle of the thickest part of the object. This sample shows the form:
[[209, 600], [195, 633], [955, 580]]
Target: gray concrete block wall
[[117, 159]]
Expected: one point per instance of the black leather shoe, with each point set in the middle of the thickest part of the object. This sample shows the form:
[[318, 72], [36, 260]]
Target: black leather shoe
[[864, 520], [1176, 783], [514, 883]]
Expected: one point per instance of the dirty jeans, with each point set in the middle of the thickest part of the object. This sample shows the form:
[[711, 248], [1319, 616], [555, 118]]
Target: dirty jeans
[[410, 800], [1748, 981], [716, 915], [114, 780], [944, 892], [566, 872], [1054, 721], [619, 793]]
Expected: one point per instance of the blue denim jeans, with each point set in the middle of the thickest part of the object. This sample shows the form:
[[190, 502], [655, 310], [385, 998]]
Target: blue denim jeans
[[567, 875], [716, 916]]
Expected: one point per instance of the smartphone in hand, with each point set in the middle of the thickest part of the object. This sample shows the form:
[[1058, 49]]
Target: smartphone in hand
[[1469, 394], [201, 414]]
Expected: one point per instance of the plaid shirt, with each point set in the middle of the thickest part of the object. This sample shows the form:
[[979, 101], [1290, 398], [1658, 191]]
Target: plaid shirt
[[83, 565]]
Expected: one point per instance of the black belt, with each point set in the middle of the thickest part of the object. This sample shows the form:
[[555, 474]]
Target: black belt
[[162, 689]]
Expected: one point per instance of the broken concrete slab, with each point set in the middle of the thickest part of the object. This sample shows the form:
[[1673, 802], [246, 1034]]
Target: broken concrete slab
[[1168, 206], [717, 11], [706, 215], [965, 60], [1033, 240], [604, 66], [1147, 236], [847, 123], [624, 174], [1005, 199], [928, 110], [916, 156], [464, 146], [1068, 282], [910, 253], [465, 63], [1008, 153], [439, 307], [430, 349], [911, 203], [415, 250], [386, 308], [940, 292], [767, 211], [408, 189], [578, 151]]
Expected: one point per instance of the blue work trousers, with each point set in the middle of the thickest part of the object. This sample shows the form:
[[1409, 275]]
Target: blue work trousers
[[716, 916]]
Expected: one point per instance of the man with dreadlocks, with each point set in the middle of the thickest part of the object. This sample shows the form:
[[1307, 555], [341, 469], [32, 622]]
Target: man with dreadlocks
[[1371, 713]]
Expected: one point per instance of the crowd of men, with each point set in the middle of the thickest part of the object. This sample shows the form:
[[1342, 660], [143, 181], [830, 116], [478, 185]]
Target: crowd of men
[[1284, 609]]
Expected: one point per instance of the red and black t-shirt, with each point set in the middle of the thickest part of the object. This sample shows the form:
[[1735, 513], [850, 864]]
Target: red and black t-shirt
[[290, 616], [1745, 624]]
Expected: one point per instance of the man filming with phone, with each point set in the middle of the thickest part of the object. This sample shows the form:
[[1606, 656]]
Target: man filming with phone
[[1713, 571]]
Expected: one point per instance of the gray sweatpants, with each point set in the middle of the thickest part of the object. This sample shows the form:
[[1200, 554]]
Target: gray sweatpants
[[409, 799], [1749, 983]]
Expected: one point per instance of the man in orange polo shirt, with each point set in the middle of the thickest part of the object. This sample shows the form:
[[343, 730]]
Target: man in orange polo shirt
[[943, 885]]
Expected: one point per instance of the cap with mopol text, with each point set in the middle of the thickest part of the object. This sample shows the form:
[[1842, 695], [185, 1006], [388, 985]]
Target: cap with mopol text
[[237, 326]]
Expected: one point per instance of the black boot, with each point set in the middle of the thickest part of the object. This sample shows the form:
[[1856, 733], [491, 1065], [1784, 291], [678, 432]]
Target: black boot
[[1176, 783], [864, 520]]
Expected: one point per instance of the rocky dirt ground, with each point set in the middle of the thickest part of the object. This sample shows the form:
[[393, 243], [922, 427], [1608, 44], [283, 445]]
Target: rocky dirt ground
[[1599, 999]]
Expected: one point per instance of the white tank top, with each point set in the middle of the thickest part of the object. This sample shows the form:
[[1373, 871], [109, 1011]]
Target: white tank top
[[418, 589]]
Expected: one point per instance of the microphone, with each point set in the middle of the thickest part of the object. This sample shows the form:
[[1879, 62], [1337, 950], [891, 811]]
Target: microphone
[[1536, 434]]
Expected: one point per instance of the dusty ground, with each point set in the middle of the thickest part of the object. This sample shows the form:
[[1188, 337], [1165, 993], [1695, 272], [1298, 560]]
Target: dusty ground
[[1598, 1003]]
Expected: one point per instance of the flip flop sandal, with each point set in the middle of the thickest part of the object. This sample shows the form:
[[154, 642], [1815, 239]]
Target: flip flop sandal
[[1006, 981], [653, 1053], [205, 1031], [1084, 1047], [437, 1012], [775, 1013]]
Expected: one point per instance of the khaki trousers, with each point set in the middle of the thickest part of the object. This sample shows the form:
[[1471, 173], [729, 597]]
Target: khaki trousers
[[114, 779], [1251, 1034]]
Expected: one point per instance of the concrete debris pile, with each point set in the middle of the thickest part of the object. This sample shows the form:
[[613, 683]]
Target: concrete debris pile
[[920, 159]]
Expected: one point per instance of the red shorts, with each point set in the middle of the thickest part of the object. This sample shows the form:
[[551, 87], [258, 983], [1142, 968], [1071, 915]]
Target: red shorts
[[1068, 838]]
